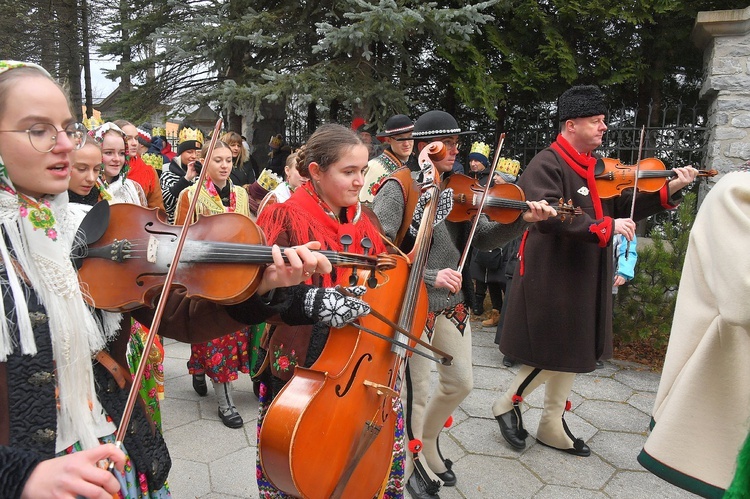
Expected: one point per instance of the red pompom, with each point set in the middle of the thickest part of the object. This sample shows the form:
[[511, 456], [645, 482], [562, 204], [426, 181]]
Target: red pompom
[[568, 405], [449, 422], [415, 446], [517, 399]]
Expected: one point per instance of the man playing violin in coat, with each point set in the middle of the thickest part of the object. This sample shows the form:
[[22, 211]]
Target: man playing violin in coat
[[447, 325], [559, 317]]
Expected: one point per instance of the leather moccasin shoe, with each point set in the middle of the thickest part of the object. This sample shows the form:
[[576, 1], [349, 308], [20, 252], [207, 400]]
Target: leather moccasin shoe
[[199, 384], [419, 489], [510, 430], [579, 448], [448, 478], [231, 418]]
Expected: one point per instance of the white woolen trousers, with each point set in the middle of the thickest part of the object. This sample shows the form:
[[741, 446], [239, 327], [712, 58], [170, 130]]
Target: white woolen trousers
[[425, 409]]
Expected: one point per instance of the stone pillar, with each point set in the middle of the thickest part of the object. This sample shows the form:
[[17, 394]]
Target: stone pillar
[[724, 37]]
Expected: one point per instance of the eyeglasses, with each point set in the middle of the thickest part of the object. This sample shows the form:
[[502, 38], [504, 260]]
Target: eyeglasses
[[43, 136], [450, 144]]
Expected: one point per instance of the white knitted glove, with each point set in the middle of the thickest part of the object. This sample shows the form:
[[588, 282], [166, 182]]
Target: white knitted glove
[[331, 307], [444, 207]]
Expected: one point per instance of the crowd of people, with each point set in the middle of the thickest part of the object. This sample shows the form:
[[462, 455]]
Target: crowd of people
[[342, 193]]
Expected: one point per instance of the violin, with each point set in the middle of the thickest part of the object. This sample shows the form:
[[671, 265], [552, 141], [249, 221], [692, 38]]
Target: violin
[[222, 260], [652, 176], [504, 204], [329, 432]]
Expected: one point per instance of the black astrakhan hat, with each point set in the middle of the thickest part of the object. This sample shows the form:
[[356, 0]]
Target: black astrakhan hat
[[581, 101], [435, 125], [396, 125]]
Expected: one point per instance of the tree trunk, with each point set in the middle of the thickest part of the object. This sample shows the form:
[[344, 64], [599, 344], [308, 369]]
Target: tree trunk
[[271, 124], [86, 58], [70, 53]]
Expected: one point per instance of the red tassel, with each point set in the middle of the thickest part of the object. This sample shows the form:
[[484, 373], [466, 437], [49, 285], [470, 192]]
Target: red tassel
[[448, 422], [517, 399], [568, 405], [415, 445]]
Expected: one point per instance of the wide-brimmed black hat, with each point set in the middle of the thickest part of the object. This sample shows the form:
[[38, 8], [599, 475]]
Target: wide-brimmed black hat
[[396, 125], [435, 125], [581, 101]]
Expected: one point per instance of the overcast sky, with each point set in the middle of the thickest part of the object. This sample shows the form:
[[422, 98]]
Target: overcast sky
[[102, 86]]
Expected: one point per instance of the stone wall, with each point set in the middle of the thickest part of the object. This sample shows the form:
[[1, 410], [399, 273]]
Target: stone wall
[[724, 37]]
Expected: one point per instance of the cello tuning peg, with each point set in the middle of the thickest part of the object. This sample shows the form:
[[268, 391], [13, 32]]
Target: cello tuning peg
[[353, 278], [346, 241], [366, 244], [372, 282]]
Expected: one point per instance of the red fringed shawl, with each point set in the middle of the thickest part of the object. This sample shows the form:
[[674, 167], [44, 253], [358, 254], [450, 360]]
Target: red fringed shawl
[[305, 217], [143, 174]]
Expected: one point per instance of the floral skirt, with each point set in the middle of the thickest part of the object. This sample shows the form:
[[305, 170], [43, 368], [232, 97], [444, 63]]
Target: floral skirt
[[133, 483], [395, 486], [222, 359], [152, 383]]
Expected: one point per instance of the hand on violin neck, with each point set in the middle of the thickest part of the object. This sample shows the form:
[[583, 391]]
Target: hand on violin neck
[[684, 176], [444, 207], [302, 262], [335, 308], [539, 211], [626, 227]]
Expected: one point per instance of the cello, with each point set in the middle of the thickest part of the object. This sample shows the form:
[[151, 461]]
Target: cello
[[329, 432]]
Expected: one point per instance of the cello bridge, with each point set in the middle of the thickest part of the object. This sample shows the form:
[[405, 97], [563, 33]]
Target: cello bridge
[[382, 389]]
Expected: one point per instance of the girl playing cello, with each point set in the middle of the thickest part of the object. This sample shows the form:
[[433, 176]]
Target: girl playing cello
[[58, 407], [324, 209]]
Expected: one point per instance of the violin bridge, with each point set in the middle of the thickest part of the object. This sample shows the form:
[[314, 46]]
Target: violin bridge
[[151, 249], [382, 389]]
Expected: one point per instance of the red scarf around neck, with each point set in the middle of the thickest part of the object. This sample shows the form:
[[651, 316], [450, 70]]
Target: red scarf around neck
[[584, 165], [306, 217]]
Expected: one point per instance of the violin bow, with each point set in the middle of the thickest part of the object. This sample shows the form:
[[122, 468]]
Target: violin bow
[[635, 183], [475, 223], [161, 305]]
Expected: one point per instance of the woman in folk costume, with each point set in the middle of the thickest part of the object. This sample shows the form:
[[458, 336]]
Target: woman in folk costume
[[282, 192], [324, 208], [223, 358], [136, 143], [58, 405], [86, 189], [701, 417]]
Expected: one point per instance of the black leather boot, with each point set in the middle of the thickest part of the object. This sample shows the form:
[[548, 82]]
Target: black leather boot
[[511, 427], [418, 488], [199, 384]]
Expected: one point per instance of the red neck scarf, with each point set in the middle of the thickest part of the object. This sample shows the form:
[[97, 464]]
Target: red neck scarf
[[584, 165], [305, 217]]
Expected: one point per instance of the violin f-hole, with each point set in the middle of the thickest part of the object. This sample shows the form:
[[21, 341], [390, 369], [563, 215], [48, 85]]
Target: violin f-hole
[[367, 357]]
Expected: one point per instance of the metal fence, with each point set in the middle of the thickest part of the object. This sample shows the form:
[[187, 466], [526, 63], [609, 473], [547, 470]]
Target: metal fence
[[679, 137]]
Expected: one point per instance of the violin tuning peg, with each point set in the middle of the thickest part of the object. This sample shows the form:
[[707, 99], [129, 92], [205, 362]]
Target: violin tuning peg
[[366, 244], [346, 241]]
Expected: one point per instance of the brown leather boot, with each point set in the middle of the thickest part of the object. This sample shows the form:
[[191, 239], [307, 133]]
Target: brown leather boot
[[493, 319]]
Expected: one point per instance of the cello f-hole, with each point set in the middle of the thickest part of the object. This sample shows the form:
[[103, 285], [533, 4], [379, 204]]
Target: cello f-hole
[[349, 383]]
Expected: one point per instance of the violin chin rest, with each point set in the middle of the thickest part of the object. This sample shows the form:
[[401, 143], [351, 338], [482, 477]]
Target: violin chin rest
[[92, 228]]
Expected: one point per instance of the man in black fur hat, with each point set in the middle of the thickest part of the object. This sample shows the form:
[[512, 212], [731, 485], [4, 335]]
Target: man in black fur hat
[[428, 409], [397, 151], [559, 316]]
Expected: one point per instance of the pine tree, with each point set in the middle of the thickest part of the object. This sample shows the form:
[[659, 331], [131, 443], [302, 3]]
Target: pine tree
[[645, 306]]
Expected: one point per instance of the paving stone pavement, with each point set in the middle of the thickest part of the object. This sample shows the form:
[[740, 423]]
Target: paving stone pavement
[[611, 408]]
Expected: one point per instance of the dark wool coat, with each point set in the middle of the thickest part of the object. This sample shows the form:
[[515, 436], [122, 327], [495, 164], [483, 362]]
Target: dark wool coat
[[560, 312]]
